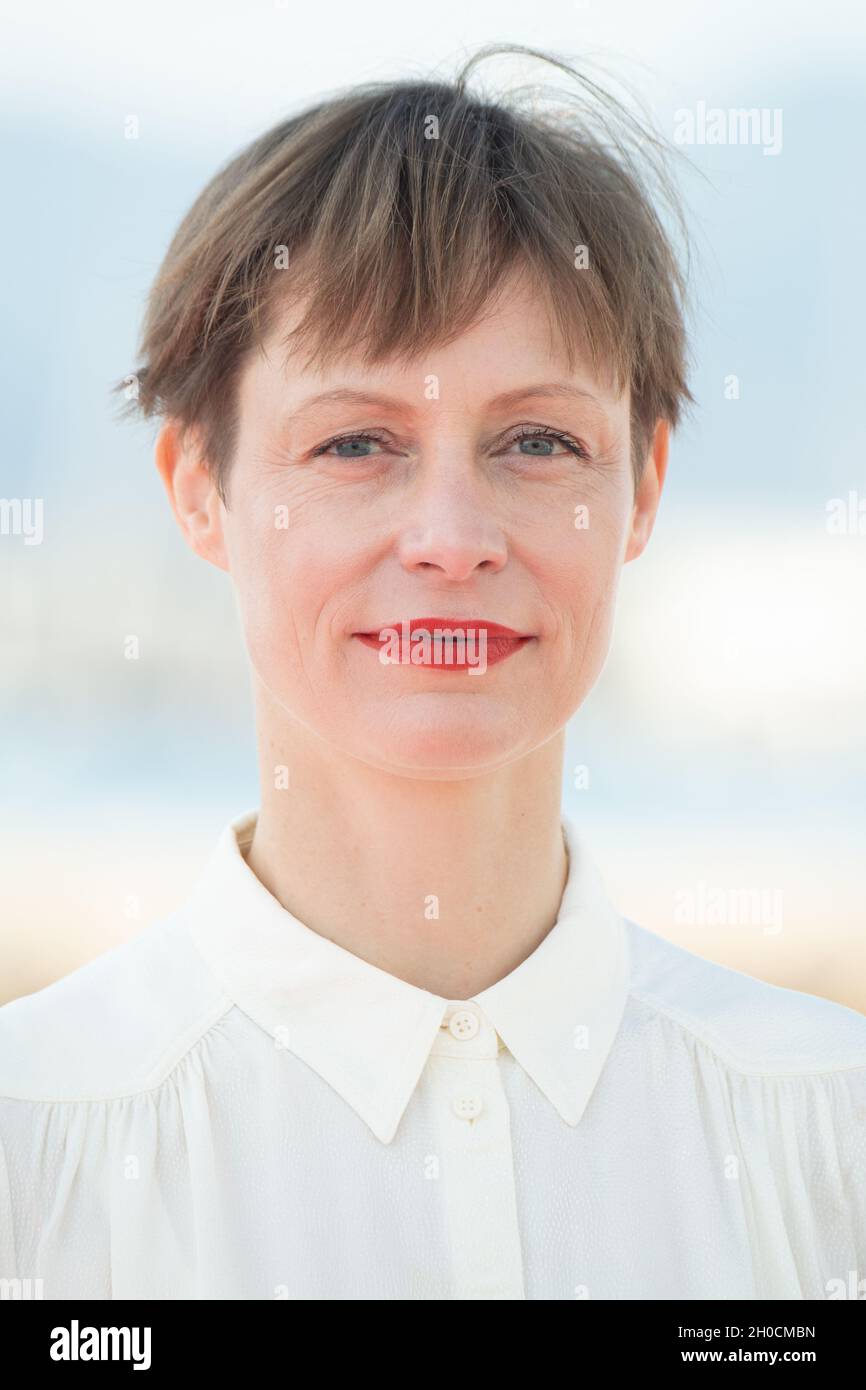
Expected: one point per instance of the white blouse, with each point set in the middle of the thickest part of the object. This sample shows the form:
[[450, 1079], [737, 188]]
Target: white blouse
[[231, 1106]]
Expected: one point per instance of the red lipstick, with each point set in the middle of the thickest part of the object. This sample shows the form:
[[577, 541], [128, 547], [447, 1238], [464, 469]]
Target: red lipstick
[[445, 643]]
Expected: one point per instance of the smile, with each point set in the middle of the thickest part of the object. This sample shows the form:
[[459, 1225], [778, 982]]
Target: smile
[[451, 644]]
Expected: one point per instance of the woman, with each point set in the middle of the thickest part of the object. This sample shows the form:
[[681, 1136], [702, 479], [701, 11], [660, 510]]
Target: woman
[[417, 356]]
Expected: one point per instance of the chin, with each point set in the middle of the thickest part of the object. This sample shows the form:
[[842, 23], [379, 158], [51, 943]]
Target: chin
[[421, 739]]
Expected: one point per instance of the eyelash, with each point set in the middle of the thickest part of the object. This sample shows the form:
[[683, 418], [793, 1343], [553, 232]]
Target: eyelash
[[528, 432]]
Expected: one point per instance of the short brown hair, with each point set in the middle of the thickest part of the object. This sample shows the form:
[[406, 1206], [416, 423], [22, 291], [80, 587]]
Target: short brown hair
[[398, 207]]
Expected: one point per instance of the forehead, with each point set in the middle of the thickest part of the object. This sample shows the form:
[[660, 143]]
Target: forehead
[[514, 344]]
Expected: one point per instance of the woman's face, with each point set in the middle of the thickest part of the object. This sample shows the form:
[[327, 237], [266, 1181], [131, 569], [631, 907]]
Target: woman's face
[[431, 505]]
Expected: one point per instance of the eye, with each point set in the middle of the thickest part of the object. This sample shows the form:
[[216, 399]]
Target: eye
[[339, 440], [541, 436]]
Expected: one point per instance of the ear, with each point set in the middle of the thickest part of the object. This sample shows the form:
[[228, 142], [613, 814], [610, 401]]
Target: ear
[[648, 493], [192, 493]]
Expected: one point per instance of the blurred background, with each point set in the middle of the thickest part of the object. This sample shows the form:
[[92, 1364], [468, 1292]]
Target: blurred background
[[718, 768]]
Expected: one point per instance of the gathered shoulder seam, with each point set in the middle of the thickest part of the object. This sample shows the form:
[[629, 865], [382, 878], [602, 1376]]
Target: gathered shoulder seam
[[158, 1075], [688, 1023]]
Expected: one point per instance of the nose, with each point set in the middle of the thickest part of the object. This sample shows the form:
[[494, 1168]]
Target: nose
[[449, 526]]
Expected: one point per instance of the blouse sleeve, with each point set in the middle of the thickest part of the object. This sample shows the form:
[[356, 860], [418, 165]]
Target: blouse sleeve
[[8, 1256], [101, 1196], [53, 1218], [805, 1181]]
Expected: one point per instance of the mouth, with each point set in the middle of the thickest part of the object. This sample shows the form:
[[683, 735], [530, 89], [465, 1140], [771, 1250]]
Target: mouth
[[449, 644]]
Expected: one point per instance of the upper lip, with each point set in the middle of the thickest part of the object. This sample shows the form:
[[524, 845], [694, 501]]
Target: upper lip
[[492, 629]]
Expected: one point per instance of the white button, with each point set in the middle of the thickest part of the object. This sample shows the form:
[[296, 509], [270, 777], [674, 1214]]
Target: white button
[[467, 1107], [463, 1024]]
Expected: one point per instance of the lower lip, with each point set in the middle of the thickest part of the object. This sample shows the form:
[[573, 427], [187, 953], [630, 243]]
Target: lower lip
[[498, 649]]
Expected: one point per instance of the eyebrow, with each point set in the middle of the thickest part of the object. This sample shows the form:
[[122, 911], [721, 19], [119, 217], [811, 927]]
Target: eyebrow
[[505, 400]]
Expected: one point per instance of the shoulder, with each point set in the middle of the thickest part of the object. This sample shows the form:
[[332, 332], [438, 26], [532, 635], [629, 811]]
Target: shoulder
[[752, 1026], [115, 1026]]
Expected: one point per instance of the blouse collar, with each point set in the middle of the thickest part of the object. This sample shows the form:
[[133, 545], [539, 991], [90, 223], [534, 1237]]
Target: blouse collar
[[368, 1033]]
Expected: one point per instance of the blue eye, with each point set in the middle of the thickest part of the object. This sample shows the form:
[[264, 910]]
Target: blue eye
[[539, 444], [545, 436], [349, 439], [538, 436]]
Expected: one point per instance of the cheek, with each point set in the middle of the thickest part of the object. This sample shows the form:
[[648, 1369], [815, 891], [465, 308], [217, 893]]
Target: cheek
[[585, 569], [269, 585], [580, 581], [285, 581]]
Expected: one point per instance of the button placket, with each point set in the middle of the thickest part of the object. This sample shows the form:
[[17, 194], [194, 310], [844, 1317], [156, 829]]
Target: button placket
[[467, 1107], [473, 1137]]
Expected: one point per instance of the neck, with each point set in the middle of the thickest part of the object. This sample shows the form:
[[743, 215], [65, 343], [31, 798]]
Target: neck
[[448, 885]]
